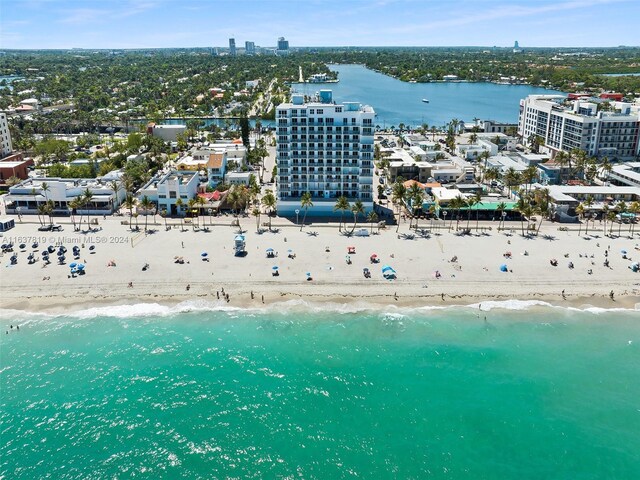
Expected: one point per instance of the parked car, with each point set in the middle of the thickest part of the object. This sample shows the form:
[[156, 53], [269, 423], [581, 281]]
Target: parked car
[[44, 228]]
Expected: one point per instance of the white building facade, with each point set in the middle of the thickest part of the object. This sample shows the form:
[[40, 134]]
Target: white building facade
[[326, 149], [580, 125], [5, 137]]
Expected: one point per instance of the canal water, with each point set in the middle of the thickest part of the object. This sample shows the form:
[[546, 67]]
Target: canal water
[[398, 102]]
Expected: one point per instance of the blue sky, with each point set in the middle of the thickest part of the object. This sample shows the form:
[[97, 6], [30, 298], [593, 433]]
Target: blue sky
[[203, 23]]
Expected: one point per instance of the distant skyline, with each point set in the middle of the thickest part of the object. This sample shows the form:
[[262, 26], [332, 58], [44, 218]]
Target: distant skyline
[[36, 24]]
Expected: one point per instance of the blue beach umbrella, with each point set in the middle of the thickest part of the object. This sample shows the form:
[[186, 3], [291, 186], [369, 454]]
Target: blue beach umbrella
[[73, 265], [269, 249], [503, 268], [80, 266], [204, 254]]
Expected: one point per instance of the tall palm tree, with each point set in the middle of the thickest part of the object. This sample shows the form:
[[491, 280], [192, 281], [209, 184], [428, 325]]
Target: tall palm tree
[[477, 198], [562, 159], [621, 207], [398, 195], [115, 186], [605, 217], [606, 168], [460, 203], [146, 204], [269, 201], [521, 207], [163, 214], [635, 209], [88, 197], [580, 211], [611, 216], [415, 197], [356, 209], [129, 203], [343, 205], [588, 202], [179, 204], [469, 203], [41, 210], [306, 203], [372, 217], [201, 202], [256, 213], [191, 203]]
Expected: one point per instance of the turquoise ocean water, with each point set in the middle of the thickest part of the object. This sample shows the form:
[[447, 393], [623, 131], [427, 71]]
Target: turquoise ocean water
[[194, 392]]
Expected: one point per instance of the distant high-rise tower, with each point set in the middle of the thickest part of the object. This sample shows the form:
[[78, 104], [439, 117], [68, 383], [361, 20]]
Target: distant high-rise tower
[[283, 45], [515, 45], [250, 48], [232, 47], [5, 137]]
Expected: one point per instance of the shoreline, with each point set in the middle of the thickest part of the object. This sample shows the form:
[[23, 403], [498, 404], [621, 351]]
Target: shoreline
[[330, 302], [436, 268]]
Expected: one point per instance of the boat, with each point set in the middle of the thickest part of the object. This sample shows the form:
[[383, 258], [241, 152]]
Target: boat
[[425, 100]]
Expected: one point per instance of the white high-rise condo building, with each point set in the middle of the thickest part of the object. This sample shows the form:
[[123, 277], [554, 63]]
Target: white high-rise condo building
[[325, 149], [583, 124], [5, 137]]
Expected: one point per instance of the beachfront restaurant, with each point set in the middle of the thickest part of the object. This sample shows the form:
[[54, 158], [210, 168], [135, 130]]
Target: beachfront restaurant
[[25, 197]]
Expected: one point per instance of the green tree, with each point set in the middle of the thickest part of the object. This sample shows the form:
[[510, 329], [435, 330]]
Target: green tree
[[343, 205], [357, 209], [146, 204], [306, 203], [269, 202]]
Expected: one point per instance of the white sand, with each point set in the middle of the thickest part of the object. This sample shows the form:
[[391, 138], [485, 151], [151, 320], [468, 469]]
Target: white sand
[[415, 261]]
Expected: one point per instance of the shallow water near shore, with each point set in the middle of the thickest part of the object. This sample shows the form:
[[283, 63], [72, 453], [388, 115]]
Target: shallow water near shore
[[530, 391]]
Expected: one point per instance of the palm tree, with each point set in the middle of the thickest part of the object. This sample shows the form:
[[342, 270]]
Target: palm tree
[[88, 196], [256, 213], [477, 201], [469, 203], [397, 197], [605, 217], [201, 202], [115, 186], [146, 204], [611, 216], [129, 202], [45, 189], [357, 209], [191, 203], [622, 208], [562, 159], [179, 204], [305, 202], [606, 167], [41, 209], [634, 208], [521, 207], [580, 211], [415, 197], [343, 205], [529, 175], [269, 201], [163, 214], [72, 206], [372, 218], [460, 203], [588, 202]]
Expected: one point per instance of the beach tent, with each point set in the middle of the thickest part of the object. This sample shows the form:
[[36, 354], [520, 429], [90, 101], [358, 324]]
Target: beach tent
[[504, 268]]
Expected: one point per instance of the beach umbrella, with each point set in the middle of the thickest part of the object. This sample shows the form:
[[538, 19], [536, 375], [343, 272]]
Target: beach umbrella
[[51, 248], [92, 247], [624, 252], [269, 249], [503, 268], [274, 267], [61, 259], [204, 254], [74, 270], [45, 253], [22, 246], [73, 265], [35, 245], [80, 266], [289, 251], [387, 268], [374, 255]]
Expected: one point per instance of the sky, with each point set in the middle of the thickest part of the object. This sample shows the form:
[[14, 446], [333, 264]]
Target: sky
[[36, 24]]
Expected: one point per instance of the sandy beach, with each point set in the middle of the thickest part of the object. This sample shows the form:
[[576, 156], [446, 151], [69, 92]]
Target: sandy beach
[[468, 267]]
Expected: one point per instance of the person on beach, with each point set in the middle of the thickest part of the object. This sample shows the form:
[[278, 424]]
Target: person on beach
[[218, 294], [251, 294], [564, 297], [262, 298], [611, 295]]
